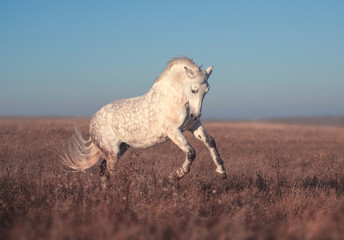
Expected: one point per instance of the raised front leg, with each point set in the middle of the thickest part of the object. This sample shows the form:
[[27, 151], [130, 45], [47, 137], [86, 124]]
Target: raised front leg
[[178, 138], [200, 133]]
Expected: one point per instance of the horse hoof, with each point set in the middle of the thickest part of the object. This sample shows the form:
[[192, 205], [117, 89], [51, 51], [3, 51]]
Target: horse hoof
[[221, 175], [176, 176], [181, 172]]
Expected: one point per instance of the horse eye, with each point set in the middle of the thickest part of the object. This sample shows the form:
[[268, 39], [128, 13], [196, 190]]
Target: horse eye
[[194, 91]]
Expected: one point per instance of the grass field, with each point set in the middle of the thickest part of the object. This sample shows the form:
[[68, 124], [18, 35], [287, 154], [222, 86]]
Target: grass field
[[284, 182]]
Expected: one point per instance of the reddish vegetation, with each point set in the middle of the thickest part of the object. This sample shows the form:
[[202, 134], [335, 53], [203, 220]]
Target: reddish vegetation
[[283, 182]]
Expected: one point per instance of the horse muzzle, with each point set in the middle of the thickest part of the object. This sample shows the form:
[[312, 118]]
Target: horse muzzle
[[195, 116]]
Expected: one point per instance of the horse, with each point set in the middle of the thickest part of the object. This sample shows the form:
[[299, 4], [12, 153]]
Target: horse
[[173, 105]]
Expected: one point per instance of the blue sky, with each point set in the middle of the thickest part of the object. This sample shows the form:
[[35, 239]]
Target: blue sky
[[270, 58]]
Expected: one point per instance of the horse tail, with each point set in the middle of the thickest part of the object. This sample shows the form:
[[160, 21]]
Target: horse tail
[[79, 154]]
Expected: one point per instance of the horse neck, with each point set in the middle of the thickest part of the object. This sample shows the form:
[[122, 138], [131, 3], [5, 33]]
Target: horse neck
[[170, 87]]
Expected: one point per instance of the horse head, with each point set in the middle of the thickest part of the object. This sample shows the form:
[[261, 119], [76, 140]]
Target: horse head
[[195, 88]]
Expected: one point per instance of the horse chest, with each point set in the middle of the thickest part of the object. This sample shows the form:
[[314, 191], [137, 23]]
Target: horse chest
[[187, 124]]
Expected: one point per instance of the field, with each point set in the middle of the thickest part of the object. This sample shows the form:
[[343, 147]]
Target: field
[[284, 182]]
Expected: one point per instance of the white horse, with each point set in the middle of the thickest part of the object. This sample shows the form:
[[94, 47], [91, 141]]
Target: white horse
[[170, 107]]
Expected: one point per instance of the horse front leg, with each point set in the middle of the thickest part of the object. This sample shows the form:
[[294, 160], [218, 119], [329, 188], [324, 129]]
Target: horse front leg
[[200, 133], [178, 138]]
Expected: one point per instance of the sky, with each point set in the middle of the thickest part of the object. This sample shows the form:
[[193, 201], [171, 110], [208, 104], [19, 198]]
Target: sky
[[271, 58]]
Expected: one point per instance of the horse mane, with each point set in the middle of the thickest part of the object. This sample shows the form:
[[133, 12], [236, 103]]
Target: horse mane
[[180, 60], [176, 61]]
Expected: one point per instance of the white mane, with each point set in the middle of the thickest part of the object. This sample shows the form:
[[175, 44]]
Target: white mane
[[179, 61]]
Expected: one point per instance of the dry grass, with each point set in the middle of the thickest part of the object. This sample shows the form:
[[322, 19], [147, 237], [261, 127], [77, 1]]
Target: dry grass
[[285, 182]]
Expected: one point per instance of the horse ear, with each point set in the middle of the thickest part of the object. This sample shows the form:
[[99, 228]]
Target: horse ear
[[209, 71], [189, 72]]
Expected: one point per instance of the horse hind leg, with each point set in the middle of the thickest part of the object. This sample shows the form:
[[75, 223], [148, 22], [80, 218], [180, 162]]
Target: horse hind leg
[[110, 161], [107, 168], [119, 150]]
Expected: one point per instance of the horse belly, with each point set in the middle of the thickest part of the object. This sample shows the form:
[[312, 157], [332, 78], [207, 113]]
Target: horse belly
[[133, 121], [188, 123], [146, 141], [137, 127]]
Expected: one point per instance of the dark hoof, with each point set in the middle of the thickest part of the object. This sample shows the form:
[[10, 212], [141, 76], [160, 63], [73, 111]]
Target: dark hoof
[[180, 173], [175, 177], [221, 175]]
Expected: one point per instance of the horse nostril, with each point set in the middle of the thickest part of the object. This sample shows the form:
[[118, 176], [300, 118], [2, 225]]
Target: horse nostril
[[191, 116]]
